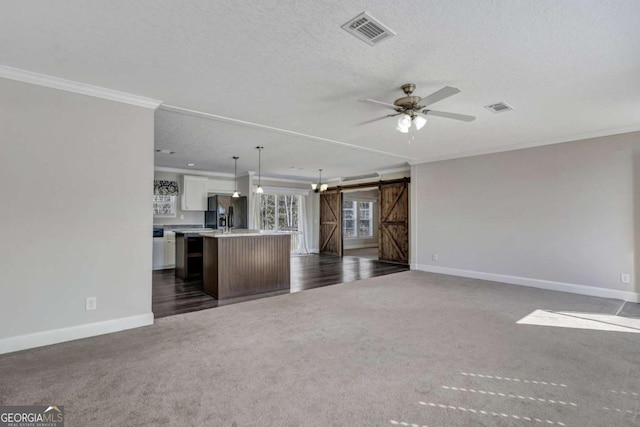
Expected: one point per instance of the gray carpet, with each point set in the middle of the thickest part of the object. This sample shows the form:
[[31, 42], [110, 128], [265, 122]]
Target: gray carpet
[[410, 349]]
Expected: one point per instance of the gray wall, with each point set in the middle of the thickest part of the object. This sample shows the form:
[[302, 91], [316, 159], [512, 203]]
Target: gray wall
[[76, 218], [561, 213]]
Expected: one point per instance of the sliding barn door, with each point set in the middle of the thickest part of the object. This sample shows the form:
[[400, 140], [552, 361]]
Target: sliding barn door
[[331, 222], [393, 244]]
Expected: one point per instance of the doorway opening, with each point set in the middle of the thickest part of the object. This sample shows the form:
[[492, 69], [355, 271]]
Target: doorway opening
[[360, 223], [339, 216]]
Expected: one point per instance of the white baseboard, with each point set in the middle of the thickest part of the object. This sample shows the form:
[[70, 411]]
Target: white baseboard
[[534, 283], [39, 339]]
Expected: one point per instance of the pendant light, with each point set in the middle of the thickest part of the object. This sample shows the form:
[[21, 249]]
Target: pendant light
[[259, 190], [319, 187], [236, 194]]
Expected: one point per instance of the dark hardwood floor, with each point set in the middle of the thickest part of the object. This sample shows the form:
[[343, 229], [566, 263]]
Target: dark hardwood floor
[[172, 295]]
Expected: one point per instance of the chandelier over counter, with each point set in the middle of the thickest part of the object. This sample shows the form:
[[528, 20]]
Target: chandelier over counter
[[319, 187]]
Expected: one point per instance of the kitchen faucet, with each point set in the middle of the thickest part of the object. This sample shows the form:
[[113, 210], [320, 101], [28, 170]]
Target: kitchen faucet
[[223, 223]]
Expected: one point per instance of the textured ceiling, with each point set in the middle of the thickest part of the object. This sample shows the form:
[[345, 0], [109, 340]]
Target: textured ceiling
[[569, 68]]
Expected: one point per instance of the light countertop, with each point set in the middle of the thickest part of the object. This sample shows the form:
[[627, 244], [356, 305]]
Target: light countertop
[[242, 233]]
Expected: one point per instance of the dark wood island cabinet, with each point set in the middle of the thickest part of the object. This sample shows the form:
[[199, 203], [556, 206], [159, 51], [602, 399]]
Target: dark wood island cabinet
[[188, 255], [237, 264]]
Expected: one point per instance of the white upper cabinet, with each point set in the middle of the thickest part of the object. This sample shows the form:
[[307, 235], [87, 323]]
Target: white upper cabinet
[[195, 190], [194, 193], [220, 186]]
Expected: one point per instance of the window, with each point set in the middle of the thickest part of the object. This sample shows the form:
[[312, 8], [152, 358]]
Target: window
[[357, 219], [279, 212], [349, 219], [365, 227]]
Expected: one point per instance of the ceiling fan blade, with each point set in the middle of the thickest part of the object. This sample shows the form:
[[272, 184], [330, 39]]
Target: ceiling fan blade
[[453, 116], [384, 104], [379, 118], [439, 95]]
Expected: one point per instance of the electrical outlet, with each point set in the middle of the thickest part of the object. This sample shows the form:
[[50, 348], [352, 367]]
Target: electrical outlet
[[625, 278], [91, 303], [434, 257]]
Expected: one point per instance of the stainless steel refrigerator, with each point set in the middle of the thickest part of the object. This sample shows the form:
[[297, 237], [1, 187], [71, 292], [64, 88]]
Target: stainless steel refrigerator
[[226, 210]]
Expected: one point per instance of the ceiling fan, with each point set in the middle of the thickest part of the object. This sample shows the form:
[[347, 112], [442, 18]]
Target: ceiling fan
[[412, 108]]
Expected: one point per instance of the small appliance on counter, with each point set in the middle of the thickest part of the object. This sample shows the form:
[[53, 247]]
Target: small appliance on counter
[[226, 212]]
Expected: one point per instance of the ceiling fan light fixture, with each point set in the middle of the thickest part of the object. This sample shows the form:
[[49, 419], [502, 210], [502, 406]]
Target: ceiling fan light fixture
[[314, 186], [259, 190], [420, 122], [324, 187], [404, 121], [408, 107], [235, 194]]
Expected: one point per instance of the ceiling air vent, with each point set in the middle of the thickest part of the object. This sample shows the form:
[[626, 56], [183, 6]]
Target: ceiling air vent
[[368, 29], [499, 107]]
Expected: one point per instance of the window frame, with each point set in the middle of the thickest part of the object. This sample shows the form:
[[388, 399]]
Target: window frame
[[370, 219], [277, 199], [357, 219]]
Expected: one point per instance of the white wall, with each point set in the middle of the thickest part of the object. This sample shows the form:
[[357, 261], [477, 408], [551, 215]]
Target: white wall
[[76, 219], [551, 216]]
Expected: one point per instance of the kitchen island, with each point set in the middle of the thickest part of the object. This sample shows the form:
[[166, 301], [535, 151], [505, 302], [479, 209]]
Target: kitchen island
[[245, 262], [188, 254]]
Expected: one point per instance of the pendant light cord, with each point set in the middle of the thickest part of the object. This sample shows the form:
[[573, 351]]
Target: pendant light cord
[[259, 166], [235, 171]]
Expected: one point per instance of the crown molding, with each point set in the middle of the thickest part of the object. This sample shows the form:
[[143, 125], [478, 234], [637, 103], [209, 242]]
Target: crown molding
[[195, 113], [195, 172], [578, 137], [76, 87], [271, 189], [406, 168], [293, 180]]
